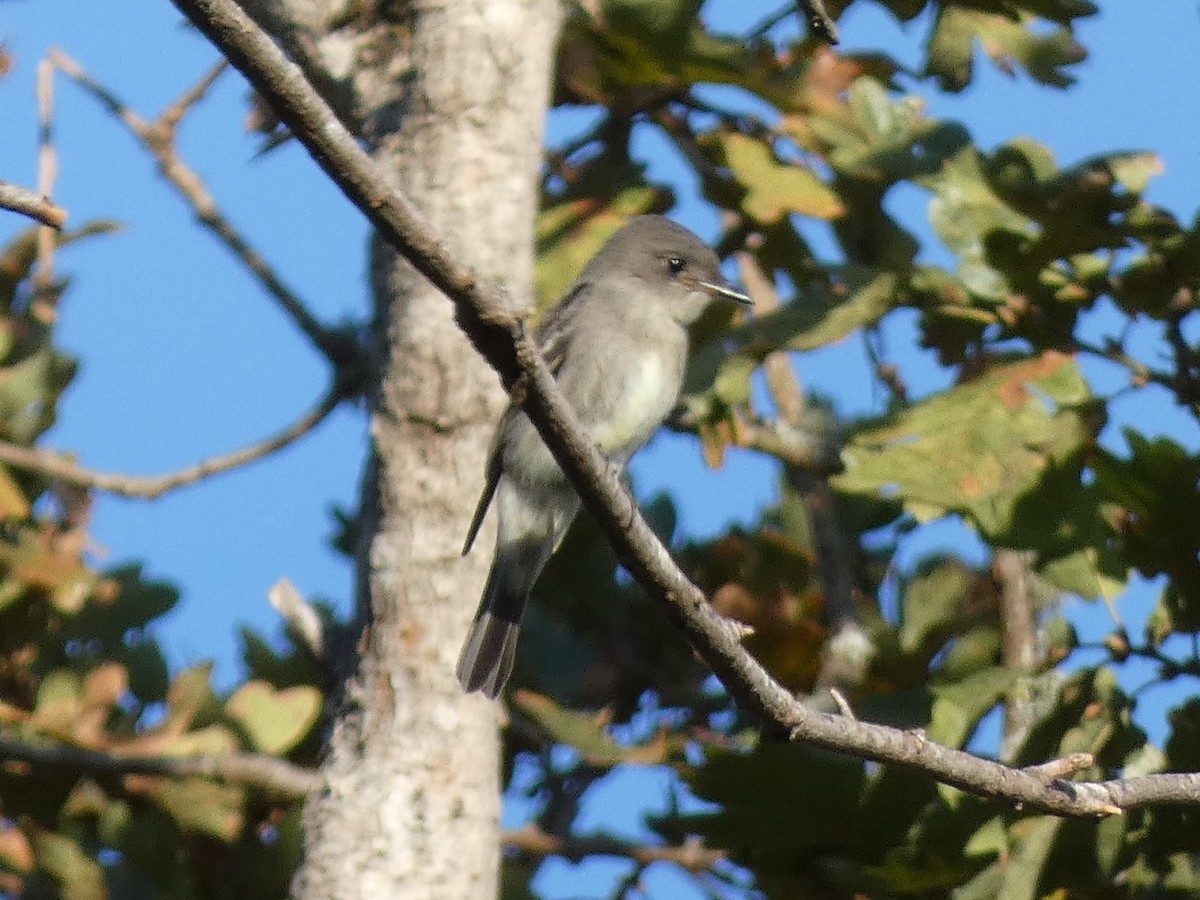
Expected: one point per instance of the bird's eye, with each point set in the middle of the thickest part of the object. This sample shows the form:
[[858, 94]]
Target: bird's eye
[[676, 264]]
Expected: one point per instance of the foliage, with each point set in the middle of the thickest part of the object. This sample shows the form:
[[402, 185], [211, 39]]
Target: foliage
[[797, 137], [1012, 449], [80, 670]]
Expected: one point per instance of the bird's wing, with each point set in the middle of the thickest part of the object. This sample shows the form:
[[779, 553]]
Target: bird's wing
[[552, 335], [553, 331], [492, 478]]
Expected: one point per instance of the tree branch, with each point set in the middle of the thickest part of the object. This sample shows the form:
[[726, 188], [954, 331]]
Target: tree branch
[[28, 203], [1011, 569], [691, 855], [158, 137], [812, 11], [487, 317], [148, 487], [269, 774]]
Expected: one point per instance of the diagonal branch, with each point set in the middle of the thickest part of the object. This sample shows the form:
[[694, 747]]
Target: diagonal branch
[[487, 317], [158, 137], [29, 203], [148, 487], [268, 774]]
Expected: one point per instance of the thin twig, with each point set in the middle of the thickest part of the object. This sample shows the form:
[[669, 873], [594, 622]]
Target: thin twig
[[170, 117], [842, 704], [47, 175], [813, 12], [62, 468], [487, 317], [30, 203], [272, 776], [885, 373], [158, 137], [301, 618], [819, 20], [691, 855], [1187, 366], [760, 30], [801, 448], [1113, 351]]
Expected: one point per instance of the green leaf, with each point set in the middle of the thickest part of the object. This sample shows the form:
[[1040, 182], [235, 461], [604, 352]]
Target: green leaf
[[274, 721], [29, 390], [1024, 870], [958, 707], [1090, 572], [19, 255], [1153, 499], [202, 806], [932, 603], [965, 213], [78, 875], [14, 504], [585, 733], [59, 701], [1008, 40], [190, 694], [762, 793], [211, 740], [1133, 171], [977, 448], [877, 138], [821, 314], [774, 188], [576, 221]]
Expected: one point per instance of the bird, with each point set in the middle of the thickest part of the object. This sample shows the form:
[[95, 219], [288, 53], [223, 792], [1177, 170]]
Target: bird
[[617, 344]]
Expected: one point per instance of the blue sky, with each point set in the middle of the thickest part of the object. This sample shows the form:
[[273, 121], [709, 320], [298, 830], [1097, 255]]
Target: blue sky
[[183, 356]]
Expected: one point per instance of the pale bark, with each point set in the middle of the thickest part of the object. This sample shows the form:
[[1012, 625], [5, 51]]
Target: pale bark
[[413, 797]]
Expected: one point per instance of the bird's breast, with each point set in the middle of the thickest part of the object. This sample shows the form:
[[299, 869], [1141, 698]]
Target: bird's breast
[[647, 388]]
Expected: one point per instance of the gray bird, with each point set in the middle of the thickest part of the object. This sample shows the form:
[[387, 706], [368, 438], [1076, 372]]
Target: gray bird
[[617, 344]]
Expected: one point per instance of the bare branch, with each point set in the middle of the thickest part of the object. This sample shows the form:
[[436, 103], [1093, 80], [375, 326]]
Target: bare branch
[[1010, 568], [147, 487], [29, 203], [802, 448], [1140, 373], [268, 774], [819, 20], [691, 855], [173, 114], [1061, 767], [299, 615], [158, 137], [885, 373], [486, 315], [842, 704], [43, 305]]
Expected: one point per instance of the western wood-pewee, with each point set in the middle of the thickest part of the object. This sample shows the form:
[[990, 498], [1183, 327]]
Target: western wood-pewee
[[617, 343]]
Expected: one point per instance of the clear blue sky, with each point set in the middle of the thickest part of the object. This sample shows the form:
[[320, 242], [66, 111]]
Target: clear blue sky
[[183, 357]]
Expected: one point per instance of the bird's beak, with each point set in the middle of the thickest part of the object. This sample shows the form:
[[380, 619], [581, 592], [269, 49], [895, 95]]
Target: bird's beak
[[725, 291]]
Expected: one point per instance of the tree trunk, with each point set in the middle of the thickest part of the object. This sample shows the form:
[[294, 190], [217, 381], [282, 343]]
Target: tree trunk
[[413, 802]]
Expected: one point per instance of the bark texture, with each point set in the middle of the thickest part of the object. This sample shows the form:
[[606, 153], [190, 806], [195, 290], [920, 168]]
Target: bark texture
[[413, 802]]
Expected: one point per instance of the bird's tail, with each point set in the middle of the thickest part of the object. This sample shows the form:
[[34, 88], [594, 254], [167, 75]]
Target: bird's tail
[[490, 650]]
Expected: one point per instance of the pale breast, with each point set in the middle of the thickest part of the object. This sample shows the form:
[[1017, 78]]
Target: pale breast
[[647, 392]]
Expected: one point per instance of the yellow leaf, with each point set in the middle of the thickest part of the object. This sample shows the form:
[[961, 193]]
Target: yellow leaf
[[774, 188]]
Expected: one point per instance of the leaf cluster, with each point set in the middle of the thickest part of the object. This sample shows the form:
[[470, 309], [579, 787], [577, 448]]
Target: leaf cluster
[[790, 141], [81, 672]]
